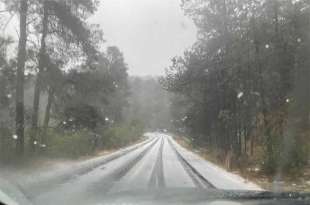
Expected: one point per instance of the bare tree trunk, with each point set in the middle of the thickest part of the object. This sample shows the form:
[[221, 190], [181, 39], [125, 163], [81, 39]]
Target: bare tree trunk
[[50, 100], [38, 83], [21, 59]]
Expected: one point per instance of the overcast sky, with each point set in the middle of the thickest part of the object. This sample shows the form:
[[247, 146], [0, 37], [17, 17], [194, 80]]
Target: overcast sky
[[148, 32]]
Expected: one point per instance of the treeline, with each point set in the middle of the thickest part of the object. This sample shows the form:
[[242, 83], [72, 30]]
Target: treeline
[[60, 92], [243, 89], [148, 103]]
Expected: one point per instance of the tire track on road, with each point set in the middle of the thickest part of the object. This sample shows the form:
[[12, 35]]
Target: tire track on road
[[157, 178], [197, 178], [77, 171], [107, 183], [97, 183], [132, 163]]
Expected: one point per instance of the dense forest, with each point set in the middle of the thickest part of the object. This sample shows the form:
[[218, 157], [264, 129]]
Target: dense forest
[[148, 103], [62, 93], [243, 89]]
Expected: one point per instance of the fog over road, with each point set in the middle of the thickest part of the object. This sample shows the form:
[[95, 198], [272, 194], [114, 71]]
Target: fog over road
[[158, 163]]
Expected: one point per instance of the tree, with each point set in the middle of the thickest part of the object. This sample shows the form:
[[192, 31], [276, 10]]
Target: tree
[[7, 86], [239, 80], [21, 59], [117, 70], [148, 103], [70, 26], [41, 66], [101, 91], [83, 89]]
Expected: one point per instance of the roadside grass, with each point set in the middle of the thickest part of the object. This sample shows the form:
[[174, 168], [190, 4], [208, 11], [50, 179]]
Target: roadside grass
[[64, 144]]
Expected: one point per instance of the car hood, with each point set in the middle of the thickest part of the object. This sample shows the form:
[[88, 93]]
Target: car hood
[[11, 195], [203, 196]]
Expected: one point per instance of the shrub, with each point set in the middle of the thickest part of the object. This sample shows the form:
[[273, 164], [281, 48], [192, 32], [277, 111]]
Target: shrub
[[73, 144], [7, 144], [121, 134], [69, 144]]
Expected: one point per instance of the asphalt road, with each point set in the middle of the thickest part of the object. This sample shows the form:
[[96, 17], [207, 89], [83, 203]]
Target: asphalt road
[[158, 163]]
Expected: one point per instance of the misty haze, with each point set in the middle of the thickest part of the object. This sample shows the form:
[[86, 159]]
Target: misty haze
[[154, 102]]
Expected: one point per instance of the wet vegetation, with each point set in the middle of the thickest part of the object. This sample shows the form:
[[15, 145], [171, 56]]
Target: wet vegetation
[[242, 91], [61, 93]]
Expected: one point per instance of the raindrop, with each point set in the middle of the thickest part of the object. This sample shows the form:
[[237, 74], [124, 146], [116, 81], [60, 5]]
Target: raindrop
[[15, 137], [106, 119], [35, 142], [287, 100], [255, 93], [267, 46], [240, 94]]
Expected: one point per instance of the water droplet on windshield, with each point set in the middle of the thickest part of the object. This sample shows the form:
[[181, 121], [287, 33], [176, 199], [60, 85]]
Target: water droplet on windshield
[[43, 145], [240, 94], [15, 137]]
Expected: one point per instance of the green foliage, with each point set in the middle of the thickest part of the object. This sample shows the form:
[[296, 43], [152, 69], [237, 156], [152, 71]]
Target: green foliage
[[272, 154], [69, 144], [77, 143], [81, 116], [290, 160], [122, 134], [7, 144], [243, 83], [148, 103], [79, 87], [74, 143]]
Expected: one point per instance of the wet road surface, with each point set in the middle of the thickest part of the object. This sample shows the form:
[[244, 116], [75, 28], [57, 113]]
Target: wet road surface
[[158, 163]]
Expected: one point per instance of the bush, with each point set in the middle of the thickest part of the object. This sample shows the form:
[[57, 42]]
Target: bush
[[69, 144], [121, 134], [7, 144], [66, 143], [73, 144], [287, 157]]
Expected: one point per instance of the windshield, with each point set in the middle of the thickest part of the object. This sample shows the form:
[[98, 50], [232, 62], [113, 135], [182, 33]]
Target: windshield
[[189, 100]]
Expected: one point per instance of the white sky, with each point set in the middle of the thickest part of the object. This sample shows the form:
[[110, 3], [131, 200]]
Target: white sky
[[148, 32]]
